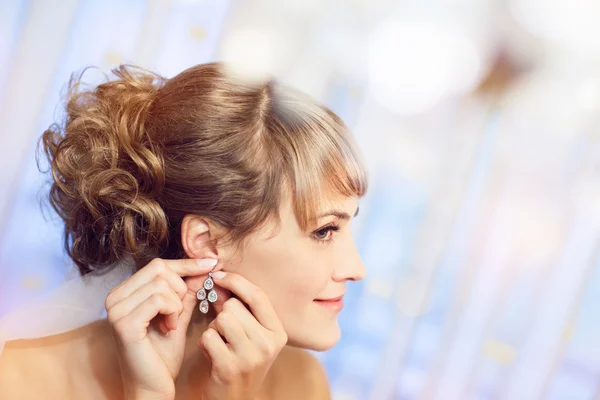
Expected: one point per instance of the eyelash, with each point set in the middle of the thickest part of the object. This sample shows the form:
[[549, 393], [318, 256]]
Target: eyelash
[[329, 228]]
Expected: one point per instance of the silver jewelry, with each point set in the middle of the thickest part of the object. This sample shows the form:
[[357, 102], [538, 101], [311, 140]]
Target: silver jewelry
[[204, 297]]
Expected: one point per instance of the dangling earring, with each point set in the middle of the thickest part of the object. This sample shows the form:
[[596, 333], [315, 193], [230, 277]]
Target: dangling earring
[[203, 297]]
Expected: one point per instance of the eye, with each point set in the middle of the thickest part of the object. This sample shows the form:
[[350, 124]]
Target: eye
[[325, 234]]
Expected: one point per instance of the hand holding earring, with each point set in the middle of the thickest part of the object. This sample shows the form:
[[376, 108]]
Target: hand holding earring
[[243, 340]]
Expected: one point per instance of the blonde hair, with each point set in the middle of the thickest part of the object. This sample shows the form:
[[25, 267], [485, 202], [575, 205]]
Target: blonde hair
[[137, 153]]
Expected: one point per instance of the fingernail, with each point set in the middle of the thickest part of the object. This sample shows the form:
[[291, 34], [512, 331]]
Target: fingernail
[[206, 262], [219, 274]]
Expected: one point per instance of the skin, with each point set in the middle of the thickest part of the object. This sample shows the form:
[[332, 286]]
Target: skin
[[293, 268]]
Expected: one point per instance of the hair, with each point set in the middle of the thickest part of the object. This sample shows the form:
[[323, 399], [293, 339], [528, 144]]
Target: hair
[[138, 152]]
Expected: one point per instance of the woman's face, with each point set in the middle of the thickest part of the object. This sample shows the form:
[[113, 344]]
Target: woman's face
[[298, 270]]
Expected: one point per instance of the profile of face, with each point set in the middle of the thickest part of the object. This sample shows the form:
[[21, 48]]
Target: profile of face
[[299, 269]]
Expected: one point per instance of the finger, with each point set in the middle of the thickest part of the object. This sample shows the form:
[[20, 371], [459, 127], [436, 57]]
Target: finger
[[189, 302], [192, 266], [128, 304], [222, 296], [231, 329], [220, 354], [163, 327], [252, 328], [252, 295], [203, 350], [172, 320], [171, 270], [134, 326], [194, 283]]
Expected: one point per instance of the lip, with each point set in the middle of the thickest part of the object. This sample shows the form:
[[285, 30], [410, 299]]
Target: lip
[[332, 299], [334, 304]]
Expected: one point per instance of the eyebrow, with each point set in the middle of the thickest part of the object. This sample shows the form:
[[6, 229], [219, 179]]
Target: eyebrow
[[338, 213]]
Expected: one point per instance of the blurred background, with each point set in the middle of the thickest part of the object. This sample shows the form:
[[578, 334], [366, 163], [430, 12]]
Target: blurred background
[[478, 120]]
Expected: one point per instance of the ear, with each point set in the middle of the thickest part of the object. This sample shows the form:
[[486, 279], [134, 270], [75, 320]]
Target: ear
[[196, 233]]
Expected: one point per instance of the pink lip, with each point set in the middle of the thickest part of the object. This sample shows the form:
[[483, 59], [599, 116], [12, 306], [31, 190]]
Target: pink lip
[[335, 304]]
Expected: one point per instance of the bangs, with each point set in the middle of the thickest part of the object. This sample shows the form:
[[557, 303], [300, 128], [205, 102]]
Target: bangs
[[319, 154]]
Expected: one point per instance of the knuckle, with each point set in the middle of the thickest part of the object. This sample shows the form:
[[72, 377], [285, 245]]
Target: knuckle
[[206, 335], [232, 369], [111, 299], [257, 362], [157, 265], [223, 318], [270, 350], [227, 374], [161, 284], [248, 366], [120, 327], [254, 362], [231, 304], [157, 300], [182, 286], [110, 316], [108, 302], [283, 339]]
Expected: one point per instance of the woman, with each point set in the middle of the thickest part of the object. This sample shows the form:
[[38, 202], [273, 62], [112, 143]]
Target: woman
[[202, 173]]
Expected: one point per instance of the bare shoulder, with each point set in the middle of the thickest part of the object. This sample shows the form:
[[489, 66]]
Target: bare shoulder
[[297, 373], [30, 371], [60, 366]]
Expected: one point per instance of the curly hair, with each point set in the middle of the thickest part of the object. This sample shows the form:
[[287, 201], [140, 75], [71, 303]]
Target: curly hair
[[138, 152]]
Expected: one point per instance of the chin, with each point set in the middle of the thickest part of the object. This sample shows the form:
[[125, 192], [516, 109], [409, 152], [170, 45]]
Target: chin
[[317, 339]]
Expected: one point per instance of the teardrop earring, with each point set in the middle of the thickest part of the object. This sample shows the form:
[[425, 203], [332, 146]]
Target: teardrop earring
[[202, 295]]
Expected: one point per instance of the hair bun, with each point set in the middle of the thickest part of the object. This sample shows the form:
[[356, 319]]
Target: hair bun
[[107, 174]]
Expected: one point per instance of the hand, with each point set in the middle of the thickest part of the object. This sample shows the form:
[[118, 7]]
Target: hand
[[150, 359], [241, 343]]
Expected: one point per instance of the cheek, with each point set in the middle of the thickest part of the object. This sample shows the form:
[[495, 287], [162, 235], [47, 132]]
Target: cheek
[[292, 274], [307, 280]]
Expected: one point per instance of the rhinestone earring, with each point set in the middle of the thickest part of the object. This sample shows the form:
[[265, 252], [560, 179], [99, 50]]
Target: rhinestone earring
[[204, 297]]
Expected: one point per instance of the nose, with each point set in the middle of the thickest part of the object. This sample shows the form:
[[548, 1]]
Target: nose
[[350, 266]]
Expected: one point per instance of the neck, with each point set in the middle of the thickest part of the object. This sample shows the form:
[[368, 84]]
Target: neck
[[195, 367]]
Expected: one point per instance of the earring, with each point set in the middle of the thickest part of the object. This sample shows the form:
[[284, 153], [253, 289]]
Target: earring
[[204, 297]]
